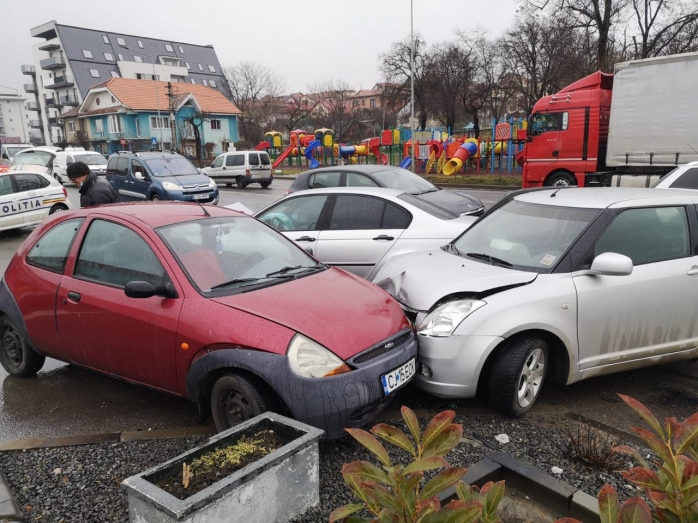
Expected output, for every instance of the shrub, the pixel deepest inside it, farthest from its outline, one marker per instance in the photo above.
(593, 447)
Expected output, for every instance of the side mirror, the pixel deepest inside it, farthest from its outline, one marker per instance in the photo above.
(611, 264)
(5, 157)
(144, 289)
(138, 175)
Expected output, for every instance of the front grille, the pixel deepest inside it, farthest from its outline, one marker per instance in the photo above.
(383, 348)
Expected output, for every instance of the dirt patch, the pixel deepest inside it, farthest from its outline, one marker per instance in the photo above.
(217, 464)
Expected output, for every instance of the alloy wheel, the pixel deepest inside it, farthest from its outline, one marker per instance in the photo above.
(531, 378)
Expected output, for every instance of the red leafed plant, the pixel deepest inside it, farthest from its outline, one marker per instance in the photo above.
(673, 488)
(396, 493)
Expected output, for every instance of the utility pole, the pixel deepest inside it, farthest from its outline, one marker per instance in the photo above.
(412, 83)
(173, 128)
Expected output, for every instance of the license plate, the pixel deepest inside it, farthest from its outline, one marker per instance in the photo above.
(398, 377)
(201, 196)
(258, 175)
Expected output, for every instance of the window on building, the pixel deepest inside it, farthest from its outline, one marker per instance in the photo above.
(212, 83)
(140, 44)
(109, 57)
(169, 48)
(157, 122)
(373, 102)
(187, 64)
(121, 42)
(97, 101)
(138, 127)
(205, 82)
(71, 127)
(94, 73)
(105, 38)
(137, 58)
(121, 57)
(215, 124)
(211, 68)
(86, 53)
(201, 67)
(115, 124)
(99, 126)
(181, 49)
(114, 74)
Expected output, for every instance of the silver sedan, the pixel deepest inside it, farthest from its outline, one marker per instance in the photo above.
(359, 229)
(554, 285)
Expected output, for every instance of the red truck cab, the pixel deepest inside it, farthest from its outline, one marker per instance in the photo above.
(568, 134)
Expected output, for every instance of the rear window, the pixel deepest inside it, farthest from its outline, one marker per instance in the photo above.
(254, 159)
(422, 205)
(264, 159)
(688, 180)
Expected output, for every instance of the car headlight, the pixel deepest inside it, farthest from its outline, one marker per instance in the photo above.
(311, 360)
(169, 186)
(212, 183)
(446, 318)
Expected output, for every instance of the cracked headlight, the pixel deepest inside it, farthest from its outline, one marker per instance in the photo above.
(445, 318)
(311, 360)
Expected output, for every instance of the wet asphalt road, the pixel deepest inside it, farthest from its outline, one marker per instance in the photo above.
(64, 400)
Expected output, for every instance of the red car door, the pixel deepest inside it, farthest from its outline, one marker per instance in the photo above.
(99, 326)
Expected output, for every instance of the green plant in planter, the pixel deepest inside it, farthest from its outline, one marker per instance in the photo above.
(396, 493)
(672, 489)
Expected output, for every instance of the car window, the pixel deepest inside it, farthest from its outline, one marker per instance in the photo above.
(115, 255)
(176, 166)
(235, 160)
(122, 166)
(264, 159)
(323, 180)
(295, 214)
(51, 251)
(89, 159)
(28, 182)
(43, 158)
(359, 180)
(111, 166)
(647, 235)
(6, 185)
(688, 180)
(137, 167)
(429, 208)
(352, 212)
(394, 217)
(218, 161)
(253, 159)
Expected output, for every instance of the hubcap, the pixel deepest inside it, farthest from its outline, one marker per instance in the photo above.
(561, 183)
(12, 345)
(531, 378)
(234, 407)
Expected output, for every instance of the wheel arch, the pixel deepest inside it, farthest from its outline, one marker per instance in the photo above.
(556, 172)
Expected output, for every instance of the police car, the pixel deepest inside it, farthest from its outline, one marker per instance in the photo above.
(29, 196)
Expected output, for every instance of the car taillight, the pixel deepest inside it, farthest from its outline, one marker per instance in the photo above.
(65, 192)
(247, 172)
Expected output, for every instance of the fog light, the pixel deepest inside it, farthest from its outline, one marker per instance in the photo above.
(425, 371)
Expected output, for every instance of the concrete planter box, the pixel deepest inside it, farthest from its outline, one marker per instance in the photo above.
(276, 488)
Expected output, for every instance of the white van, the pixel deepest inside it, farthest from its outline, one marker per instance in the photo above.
(241, 168)
(8, 151)
(94, 160)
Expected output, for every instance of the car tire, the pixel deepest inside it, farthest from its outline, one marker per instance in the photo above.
(58, 178)
(236, 398)
(16, 356)
(517, 375)
(228, 184)
(155, 198)
(240, 182)
(265, 184)
(561, 179)
(59, 207)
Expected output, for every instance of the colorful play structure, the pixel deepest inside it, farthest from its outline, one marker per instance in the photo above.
(436, 151)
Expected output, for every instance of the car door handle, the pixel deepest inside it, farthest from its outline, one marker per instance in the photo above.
(74, 296)
(305, 239)
(693, 271)
(383, 237)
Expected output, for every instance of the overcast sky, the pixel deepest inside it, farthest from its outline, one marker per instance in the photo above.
(303, 40)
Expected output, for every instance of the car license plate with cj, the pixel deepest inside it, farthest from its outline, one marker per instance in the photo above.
(201, 196)
(398, 377)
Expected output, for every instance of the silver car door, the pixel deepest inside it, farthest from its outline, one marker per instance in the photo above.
(298, 219)
(651, 312)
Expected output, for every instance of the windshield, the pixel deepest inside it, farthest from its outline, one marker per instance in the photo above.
(91, 159)
(235, 254)
(403, 180)
(43, 158)
(171, 167)
(524, 235)
(11, 151)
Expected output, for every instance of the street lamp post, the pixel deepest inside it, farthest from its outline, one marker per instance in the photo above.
(412, 83)
(157, 98)
(21, 114)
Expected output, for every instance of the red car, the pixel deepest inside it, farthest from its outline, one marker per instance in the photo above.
(207, 304)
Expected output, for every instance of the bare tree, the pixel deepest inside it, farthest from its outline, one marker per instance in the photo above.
(196, 121)
(252, 87)
(296, 110)
(452, 70)
(333, 104)
(664, 27)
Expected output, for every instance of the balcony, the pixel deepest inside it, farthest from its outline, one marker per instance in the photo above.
(52, 103)
(68, 100)
(55, 62)
(49, 47)
(33, 106)
(30, 88)
(55, 121)
(58, 82)
(29, 69)
(35, 124)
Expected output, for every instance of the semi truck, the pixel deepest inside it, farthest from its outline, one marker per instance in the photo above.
(628, 128)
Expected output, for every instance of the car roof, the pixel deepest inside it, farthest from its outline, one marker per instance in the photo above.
(601, 197)
(375, 191)
(145, 154)
(155, 214)
(28, 171)
(368, 169)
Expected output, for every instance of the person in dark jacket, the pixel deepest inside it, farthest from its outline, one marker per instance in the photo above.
(94, 190)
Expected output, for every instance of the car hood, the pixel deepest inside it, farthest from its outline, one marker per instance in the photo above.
(340, 311)
(186, 180)
(420, 279)
(458, 202)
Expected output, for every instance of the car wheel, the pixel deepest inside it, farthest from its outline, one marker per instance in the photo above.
(265, 184)
(155, 198)
(517, 375)
(58, 178)
(240, 182)
(58, 208)
(16, 356)
(561, 179)
(235, 398)
(228, 184)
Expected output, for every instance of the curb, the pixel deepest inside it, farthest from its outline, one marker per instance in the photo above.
(9, 513)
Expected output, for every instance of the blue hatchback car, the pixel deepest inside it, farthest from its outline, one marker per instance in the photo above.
(159, 176)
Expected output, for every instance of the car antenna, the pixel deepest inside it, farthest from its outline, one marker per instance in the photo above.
(555, 193)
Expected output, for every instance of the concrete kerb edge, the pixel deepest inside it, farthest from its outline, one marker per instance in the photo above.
(9, 512)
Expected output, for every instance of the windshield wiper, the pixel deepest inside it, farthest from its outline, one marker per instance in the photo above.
(491, 259)
(284, 270)
(454, 250)
(232, 282)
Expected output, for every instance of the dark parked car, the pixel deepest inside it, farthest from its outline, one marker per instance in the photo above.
(456, 202)
(211, 305)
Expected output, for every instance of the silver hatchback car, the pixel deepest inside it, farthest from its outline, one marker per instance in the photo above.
(557, 285)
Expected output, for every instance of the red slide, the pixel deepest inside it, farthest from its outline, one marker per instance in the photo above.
(281, 158)
(262, 145)
(381, 157)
